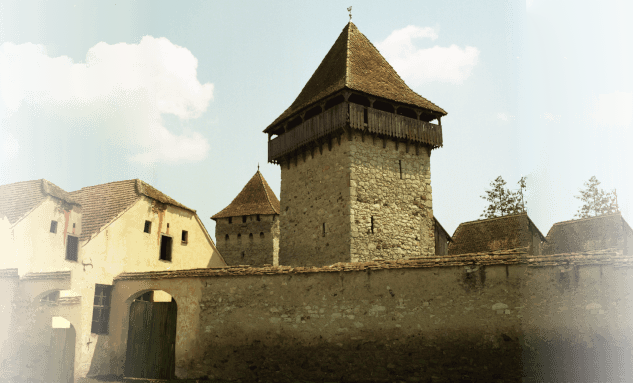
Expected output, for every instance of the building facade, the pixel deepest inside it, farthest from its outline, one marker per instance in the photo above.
(247, 230)
(354, 150)
(63, 252)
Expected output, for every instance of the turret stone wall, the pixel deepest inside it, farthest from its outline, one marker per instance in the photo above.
(254, 242)
(390, 190)
(357, 199)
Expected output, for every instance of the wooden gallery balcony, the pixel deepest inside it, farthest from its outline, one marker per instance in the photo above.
(338, 118)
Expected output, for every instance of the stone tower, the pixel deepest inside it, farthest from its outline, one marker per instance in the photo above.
(247, 231)
(354, 150)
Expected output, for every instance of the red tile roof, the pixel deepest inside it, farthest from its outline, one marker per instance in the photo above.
(18, 199)
(587, 234)
(501, 233)
(255, 198)
(103, 203)
(354, 63)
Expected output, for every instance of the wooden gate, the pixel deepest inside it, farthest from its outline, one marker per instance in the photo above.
(62, 356)
(151, 344)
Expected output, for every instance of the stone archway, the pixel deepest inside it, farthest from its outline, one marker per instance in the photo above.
(151, 340)
(61, 361)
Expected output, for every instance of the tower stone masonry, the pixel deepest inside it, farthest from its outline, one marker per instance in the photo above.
(354, 150)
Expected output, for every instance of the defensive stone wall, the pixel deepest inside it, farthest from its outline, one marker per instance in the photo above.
(253, 242)
(493, 317)
(391, 205)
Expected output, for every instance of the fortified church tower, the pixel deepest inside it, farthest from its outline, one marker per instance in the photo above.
(354, 150)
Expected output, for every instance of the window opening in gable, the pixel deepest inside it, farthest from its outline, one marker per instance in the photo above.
(230, 219)
(147, 297)
(50, 298)
(165, 248)
(101, 309)
(72, 248)
(148, 227)
(185, 236)
(54, 227)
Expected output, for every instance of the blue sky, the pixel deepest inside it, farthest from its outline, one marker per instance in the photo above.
(178, 94)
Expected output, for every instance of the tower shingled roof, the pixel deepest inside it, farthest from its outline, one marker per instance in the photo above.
(354, 63)
(500, 233)
(255, 198)
(588, 234)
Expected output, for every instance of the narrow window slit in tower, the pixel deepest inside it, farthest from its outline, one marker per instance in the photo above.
(324, 229)
(372, 224)
(400, 165)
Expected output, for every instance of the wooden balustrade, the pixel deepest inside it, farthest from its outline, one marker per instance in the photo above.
(378, 122)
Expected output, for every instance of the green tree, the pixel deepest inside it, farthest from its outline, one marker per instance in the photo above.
(504, 201)
(595, 200)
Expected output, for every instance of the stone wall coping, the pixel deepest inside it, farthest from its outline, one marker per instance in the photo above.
(506, 257)
(62, 275)
(9, 273)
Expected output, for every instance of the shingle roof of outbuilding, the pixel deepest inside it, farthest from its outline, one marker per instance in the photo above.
(354, 63)
(17, 199)
(501, 233)
(255, 198)
(103, 203)
(587, 234)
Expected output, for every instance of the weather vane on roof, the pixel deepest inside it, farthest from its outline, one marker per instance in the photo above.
(350, 12)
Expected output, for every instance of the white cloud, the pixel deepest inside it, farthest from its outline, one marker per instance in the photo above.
(613, 110)
(551, 117)
(446, 64)
(505, 117)
(135, 82)
(9, 146)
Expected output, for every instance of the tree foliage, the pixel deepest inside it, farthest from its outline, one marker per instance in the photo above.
(595, 200)
(504, 201)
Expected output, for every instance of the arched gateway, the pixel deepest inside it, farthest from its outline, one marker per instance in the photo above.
(151, 341)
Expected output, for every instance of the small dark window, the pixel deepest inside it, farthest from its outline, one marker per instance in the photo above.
(239, 237)
(261, 235)
(250, 236)
(73, 225)
(226, 237)
(101, 309)
(72, 248)
(185, 236)
(53, 227)
(148, 227)
(165, 248)
(324, 229)
(51, 298)
(168, 226)
(230, 219)
(400, 165)
(258, 217)
(372, 224)
(243, 255)
(243, 219)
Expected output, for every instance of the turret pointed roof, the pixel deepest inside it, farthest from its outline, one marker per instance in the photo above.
(255, 198)
(354, 63)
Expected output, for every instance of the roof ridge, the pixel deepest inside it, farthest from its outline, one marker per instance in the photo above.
(492, 219)
(587, 218)
(347, 55)
(264, 184)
